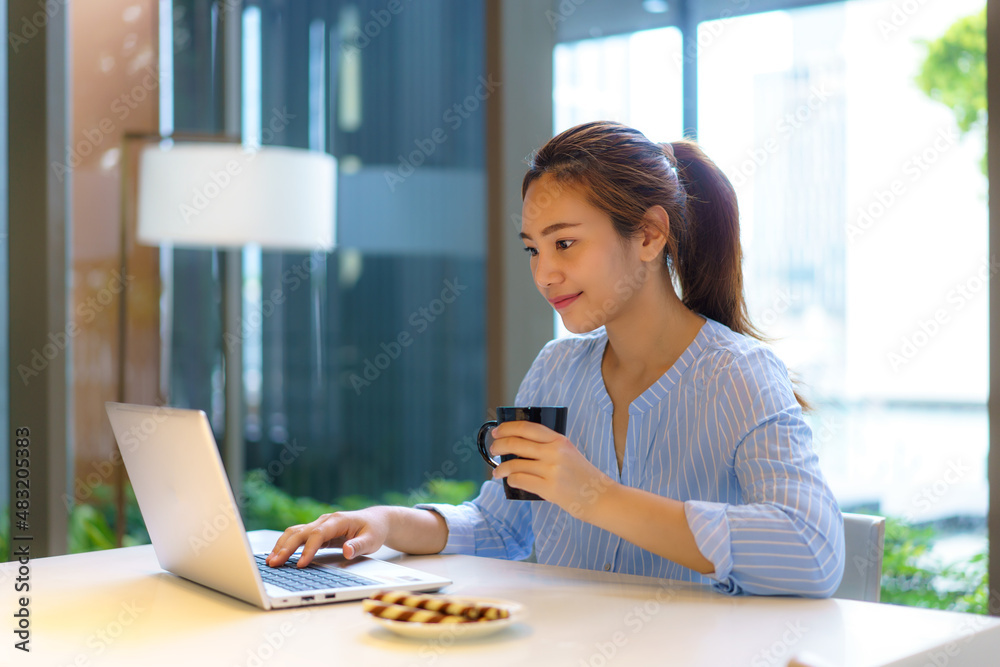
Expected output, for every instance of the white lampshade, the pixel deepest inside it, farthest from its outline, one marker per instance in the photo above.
(213, 194)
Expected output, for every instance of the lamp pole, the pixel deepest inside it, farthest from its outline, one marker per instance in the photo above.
(126, 238)
(229, 81)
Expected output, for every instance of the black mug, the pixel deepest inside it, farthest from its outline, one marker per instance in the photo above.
(550, 416)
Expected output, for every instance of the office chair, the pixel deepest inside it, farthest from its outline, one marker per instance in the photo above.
(864, 540)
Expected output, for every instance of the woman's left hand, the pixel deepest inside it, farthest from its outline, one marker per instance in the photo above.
(550, 466)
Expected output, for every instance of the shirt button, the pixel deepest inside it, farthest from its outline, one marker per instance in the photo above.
(607, 567)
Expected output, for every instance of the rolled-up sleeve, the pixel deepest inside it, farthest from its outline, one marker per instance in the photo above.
(490, 524)
(787, 536)
(461, 521)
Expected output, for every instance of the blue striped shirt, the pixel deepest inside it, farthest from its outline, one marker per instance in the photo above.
(720, 430)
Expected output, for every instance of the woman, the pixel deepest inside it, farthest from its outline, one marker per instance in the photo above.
(685, 455)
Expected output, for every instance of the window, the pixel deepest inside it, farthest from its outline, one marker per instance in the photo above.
(364, 368)
(864, 227)
(864, 223)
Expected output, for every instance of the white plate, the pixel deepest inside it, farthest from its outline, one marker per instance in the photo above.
(455, 631)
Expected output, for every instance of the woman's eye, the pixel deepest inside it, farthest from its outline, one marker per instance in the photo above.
(563, 245)
(531, 251)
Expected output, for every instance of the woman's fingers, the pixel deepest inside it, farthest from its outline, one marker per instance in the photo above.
(316, 540)
(518, 446)
(554, 470)
(525, 429)
(285, 546)
(313, 536)
(526, 482)
(516, 470)
(359, 532)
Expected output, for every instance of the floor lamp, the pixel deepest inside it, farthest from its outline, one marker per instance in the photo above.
(198, 193)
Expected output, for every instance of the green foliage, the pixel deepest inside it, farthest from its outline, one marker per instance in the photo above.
(910, 576)
(954, 72)
(265, 506)
(89, 530)
(436, 491)
(91, 524)
(4, 535)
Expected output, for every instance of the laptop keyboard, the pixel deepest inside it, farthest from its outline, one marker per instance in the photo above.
(308, 578)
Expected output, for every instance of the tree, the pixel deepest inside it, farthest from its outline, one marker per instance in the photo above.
(954, 73)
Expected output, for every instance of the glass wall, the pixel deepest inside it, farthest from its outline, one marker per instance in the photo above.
(864, 223)
(872, 277)
(364, 368)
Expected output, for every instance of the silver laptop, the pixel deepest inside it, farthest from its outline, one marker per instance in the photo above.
(197, 533)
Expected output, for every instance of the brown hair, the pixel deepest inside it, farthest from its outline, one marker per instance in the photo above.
(625, 174)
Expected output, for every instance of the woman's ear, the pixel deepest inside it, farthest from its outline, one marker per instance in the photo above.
(655, 229)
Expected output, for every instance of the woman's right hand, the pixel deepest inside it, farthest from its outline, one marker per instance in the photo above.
(358, 533)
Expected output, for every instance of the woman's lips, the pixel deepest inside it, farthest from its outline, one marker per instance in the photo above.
(564, 301)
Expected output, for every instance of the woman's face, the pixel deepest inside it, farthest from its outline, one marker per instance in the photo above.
(578, 260)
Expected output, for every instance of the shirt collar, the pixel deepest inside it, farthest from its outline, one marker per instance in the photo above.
(656, 392)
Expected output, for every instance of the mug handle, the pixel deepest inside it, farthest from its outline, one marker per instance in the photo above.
(481, 442)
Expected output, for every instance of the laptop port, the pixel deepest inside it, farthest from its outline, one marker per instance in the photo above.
(329, 596)
(307, 598)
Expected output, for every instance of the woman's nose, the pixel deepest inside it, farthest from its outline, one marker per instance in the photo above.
(546, 271)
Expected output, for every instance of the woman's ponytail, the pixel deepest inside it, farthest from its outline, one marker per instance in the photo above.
(709, 262)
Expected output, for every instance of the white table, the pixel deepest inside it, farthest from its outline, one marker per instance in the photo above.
(118, 608)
